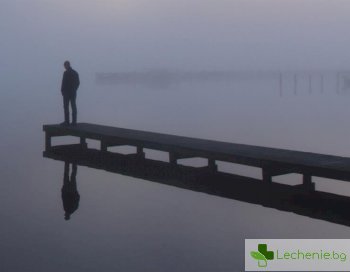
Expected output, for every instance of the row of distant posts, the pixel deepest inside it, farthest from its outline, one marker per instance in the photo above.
(314, 82)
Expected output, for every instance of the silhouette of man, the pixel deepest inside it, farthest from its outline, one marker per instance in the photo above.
(70, 195)
(70, 85)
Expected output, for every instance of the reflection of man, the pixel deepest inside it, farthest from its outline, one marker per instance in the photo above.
(70, 195)
(70, 84)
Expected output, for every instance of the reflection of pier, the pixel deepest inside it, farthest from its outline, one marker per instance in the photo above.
(272, 161)
(320, 205)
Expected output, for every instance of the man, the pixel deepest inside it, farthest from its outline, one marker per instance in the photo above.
(70, 84)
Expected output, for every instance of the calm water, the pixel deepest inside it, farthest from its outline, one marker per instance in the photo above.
(128, 224)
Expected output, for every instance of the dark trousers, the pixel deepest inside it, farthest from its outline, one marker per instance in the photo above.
(72, 100)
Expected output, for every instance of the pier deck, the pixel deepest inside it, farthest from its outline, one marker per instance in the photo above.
(272, 161)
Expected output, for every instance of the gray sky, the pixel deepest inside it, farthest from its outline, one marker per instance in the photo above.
(111, 35)
(178, 228)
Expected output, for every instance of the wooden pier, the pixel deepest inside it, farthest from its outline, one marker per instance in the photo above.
(272, 161)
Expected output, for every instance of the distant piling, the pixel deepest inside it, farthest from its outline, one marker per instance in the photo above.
(310, 83)
(295, 84)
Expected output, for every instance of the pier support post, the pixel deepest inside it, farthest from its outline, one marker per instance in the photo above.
(212, 165)
(83, 142)
(103, 146)
(172, 158)
(307, 182)
(140, 152)
(307, 179)
(47, 141)
(266, 175)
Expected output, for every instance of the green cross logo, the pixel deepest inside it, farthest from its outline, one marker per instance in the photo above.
(262, 255)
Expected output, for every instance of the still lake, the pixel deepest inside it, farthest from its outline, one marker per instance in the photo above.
(128, 224)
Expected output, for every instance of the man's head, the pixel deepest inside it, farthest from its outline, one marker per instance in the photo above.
(67, 64)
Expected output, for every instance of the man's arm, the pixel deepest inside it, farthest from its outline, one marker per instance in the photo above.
(78, 81)
(63, 83)
(74, 80)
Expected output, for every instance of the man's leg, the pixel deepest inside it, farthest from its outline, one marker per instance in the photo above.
(66, 109)
(74, 109)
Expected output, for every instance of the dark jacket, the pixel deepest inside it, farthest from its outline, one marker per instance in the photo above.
(70, 82)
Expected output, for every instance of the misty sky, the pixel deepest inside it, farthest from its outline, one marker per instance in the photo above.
(161, 227)
(117, 35)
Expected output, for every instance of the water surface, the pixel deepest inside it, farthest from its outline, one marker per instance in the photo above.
(128, 224)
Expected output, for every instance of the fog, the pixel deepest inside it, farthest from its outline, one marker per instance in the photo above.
(132, 35)
(192, 47)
